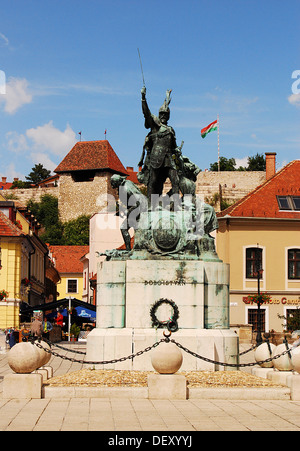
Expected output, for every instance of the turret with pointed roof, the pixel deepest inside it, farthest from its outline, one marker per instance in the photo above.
(91, 156)
(85, 174)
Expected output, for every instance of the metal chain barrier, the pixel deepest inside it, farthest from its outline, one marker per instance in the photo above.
(76, 351)
(240, 365)
(149, 348)
(250, 349)
(102, 362)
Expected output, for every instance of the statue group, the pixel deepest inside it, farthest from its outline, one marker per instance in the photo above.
(174, 224)
(171, 269)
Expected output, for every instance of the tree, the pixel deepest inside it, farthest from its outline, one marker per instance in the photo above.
(20, 184)
(257, 163)
(46, 212)
(38, 174)
(71, 233)
(225, 165)
(76, 231)
(292, 320)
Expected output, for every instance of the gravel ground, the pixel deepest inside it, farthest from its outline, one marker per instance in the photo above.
(113, 378)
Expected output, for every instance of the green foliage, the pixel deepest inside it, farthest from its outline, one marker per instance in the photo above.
(46, 211)
(75, 232)
(225, 204)
(226, 164)
(74, 330)
(257, 163)
(37, 174)
(292, 321)
(20, 184)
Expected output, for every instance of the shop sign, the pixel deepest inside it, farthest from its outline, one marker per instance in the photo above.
(283, 301)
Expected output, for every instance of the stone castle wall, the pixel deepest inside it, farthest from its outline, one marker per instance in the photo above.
(233, 184)
(82, 198)
(24, 195)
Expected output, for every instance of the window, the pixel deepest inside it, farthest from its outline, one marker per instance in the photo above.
(72, 286)
(296, 202)
(288, 202)
(283, 203)
(253, 262)
(294, 264)
(253, 319)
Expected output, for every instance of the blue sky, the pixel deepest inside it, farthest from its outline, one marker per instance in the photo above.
(72, 65)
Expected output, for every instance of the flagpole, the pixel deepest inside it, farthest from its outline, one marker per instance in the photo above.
(218, 146)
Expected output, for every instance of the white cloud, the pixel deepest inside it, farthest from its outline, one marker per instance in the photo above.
(47, 137)
(10, 172)
(3, 40)
(294, 99)
(16, 96)
(43, 158)
(241, 162)
(42, 144)
(16, 142)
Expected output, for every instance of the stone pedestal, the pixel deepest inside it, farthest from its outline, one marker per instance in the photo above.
(108, 344)
(167, 386)
(128, 289)
(294, 384)
(261, 372)
(22, 386)
(279, 377)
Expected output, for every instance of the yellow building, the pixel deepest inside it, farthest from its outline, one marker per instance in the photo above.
(67, 262)
(259, 237)
(22, 268)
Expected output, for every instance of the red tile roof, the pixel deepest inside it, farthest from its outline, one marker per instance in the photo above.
(5, 185)
(7, 228)
(67, 258)
(91, 155)
(262, 202)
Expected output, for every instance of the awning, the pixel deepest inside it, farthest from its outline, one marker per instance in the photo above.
(81, 312)
(61, 303)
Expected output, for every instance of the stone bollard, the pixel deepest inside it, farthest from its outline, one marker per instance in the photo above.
(23, 359)
(284, 362)
(44, 356)
(264, 352)
(294, 381)
(296, 358)
(167, 359)
(283, 365)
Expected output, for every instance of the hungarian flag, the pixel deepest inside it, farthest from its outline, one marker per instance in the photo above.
(211, 127)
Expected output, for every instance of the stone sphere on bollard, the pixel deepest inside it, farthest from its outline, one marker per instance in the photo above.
(44, 356)
(296, 359)
(166, 358)
(24, 358)
(262, 352)
(284, 362)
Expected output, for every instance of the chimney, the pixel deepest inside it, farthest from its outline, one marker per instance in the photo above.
(270, 164)
(16, 179)
(4, 179)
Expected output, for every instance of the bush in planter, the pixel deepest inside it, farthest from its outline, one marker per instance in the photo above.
(74, 330)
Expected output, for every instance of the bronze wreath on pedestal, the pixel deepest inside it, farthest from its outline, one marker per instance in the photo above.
(170, 324)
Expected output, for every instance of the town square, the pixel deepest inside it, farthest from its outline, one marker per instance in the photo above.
(149, 219)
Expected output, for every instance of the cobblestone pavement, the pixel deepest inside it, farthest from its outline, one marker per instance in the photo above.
(122, 414)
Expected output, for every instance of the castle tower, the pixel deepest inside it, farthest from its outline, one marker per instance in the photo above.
(85, 174)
